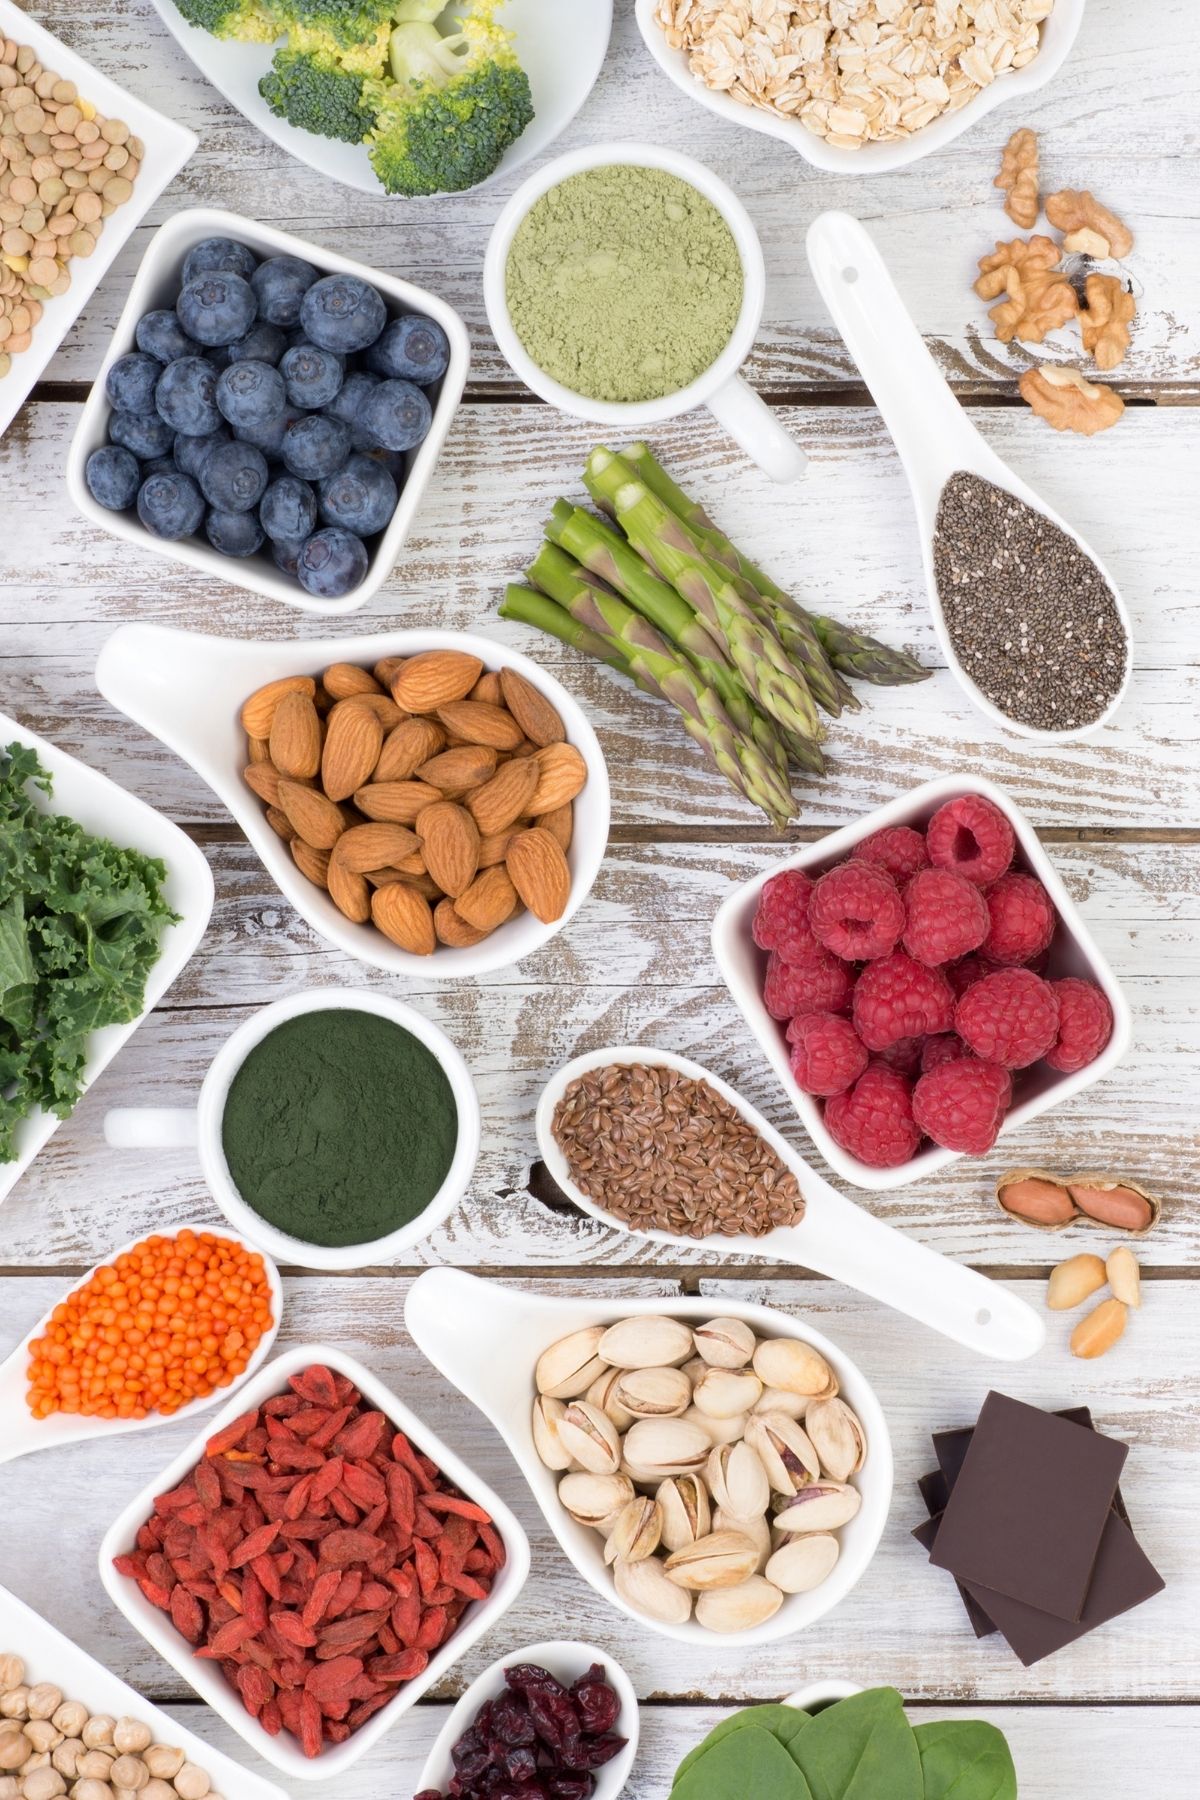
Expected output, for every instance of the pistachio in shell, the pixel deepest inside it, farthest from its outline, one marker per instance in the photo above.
(590, 1438)
(821, 1506)
(662, 1393)
(739, 1608)
(666, 1447)
(737, 1481)
(594, 1499)
(722, 1559)
(836, 1434)
(794, 1365)
(601, 1394)
(757, 1530)
(644, 1586)
(649, 1341)
(719, 1431)
(774, 1399)
(725, 1343)
(725, 1393)
(686, 1512)
(785, 1450)
(803, 1562)
(568, 1368)
(637, 1531)
(546, 1416)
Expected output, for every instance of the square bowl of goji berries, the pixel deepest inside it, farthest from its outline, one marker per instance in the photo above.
(314, 1562)
(921, 982)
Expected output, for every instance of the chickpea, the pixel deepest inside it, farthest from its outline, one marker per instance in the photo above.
(155, 1790)
(98, 1731)
(14, 1748)
(71, 1718)
(65, 1756)
(130, 1735)
(129, 1773)
(44, 1784)
(94, 1764)
(164, 1760)
(43, 1734)
(39, 1760)
(10, 1788)
(88, 1789)
(44, 1700)
(15, 1703)
(192, 1783)
(12, 1671)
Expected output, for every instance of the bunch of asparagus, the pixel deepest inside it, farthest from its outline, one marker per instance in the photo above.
(663, 596)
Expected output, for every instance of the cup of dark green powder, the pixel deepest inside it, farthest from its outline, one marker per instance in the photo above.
(624, 284)
(335, 1128)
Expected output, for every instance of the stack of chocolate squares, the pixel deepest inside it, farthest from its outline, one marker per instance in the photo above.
(1026, 1514)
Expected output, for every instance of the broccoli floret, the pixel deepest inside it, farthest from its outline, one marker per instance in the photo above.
(251, 21)
(455, 102)
(366, 57)
(345, 21)
(315, 93)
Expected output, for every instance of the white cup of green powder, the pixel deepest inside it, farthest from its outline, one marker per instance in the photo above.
(409, 1135)
(625, 285)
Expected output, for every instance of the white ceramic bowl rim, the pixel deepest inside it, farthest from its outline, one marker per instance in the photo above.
(628, 415)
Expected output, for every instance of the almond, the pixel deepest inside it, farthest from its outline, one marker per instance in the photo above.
(258, 750)
(538, 870)
(450, 845)
(316, 819)
(452, 928)
(434, 678)
(397, 802)
(490, 899)
(532, 711)
(475, 722)
(383, 877)
(562, 773)
(341, 680)
(406, 746)
(349, 892)
(405, 916)
(259, 710)
(487, 689)
(263, 777)
(493, 849)
(296, 737)
(385, 710)
(456, 771)
(352, 745)
(560, 824)
(280, 824)
(374, 846)
(504, 798)
(386, 670)
(310, 861)
(411, 865)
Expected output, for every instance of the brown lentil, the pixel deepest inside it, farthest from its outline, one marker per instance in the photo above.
(660, 1151)
(1031, 618)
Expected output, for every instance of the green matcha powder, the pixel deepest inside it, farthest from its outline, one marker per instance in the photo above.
(624, 283)
(339, 1127)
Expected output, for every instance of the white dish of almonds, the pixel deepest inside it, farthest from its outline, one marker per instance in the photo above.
(167, 145)
(489, 1341)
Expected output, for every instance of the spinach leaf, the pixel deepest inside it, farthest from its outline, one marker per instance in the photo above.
(965, 1759)
(743, 1763)
(861, 1749)
(783, 1723)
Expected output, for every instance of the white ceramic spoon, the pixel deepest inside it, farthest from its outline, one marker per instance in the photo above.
(567, 1659)
(21, 1433)
(931, 431)
(835, 1237)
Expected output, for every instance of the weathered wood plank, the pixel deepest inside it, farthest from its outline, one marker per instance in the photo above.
(903, 1623)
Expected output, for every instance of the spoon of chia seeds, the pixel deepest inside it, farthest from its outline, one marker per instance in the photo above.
(1031, 622)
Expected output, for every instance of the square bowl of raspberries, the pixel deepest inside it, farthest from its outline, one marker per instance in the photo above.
(921, 982)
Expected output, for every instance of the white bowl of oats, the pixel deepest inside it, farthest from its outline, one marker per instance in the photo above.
(858, 86)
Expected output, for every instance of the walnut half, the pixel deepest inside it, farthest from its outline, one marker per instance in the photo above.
(1039, 296)
(1068, 401)
(1074, 210)
(1019, 178)
(1106, 319)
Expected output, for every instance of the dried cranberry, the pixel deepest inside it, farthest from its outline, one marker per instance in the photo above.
(597, 1703)
(521, 1763)
(509, 1721)
(600, 1750)
(555, 1720)
(527, 1678)
(570, 1787)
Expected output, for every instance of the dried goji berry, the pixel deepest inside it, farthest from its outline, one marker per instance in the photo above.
(271, 1719)
(297, 1501)
(316, 1385)
(268, 1573)
(291, 1626)
(361, 1437)
(255, 1686)
(232, 1435)
(254, 1545)
(155, 1593)
(324, 1435)
(326, 1680)
(227, 1639)
(398, 1668)
(323, 1590)
(337, 1730)
(406, 1617)
(433, 1628)
(364, 1486)
(341, 1548)
(187, 1614)
(344, 1507)
(361, 1713)
(310, 1725)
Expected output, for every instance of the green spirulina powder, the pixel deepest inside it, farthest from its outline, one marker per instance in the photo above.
(624, 283)
(339, 1127)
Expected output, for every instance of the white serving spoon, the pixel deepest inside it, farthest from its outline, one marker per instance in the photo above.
(835, 1237)
(932, 433)
(21, 1433)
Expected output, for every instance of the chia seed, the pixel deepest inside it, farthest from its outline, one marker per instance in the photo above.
(1031, 618)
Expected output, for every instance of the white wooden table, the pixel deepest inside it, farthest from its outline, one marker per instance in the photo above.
(1118, 1715)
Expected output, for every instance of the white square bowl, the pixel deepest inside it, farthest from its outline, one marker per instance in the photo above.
(157, 284)
(168, 147)
(1073, 952)
(106, 810)
(283, 1751)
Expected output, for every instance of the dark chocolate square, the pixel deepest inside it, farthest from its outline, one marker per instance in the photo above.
(951, 1448)
(1028, 1510)
(980, 1623)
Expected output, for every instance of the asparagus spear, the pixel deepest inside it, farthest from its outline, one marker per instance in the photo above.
(856, 653)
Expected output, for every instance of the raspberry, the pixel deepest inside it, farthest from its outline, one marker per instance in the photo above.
(1022, 920)
(898, 998)
(826, 1053)
(1085, 1024)
(1010, 1017)
(967, 972)
(904, 1055)
(898, 849)
(856, 911)
(822, 985)
(971, 836)
(781, 922)
(873, 1119)
(947, 916)
(962, 1104)
(946, 1047)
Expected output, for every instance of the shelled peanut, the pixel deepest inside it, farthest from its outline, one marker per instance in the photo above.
(431, 797)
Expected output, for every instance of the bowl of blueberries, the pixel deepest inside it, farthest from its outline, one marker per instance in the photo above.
(268, 412)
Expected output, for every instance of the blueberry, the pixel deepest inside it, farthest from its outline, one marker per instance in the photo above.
(348, 403)
(279, 286)
(411, 349)
(331, 563)
(113, 477)
(394, 461)
(251, 395)
(343, 312)
(316, 446)
(361, 497)
(171, 506)
(217, 309)
(186, 396)
(233, 533)
(160, 334)
(146, 434)
(190, 452)
(131, 381)
(287, 554)
(269, 437)
(159, 465)
(219, 254)
(262, 343)
(397, 415)
(313, 376)
(233, 477)
(288, 510)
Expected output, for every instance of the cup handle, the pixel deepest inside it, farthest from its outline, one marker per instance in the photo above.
(747, 418)
(151, 1127)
